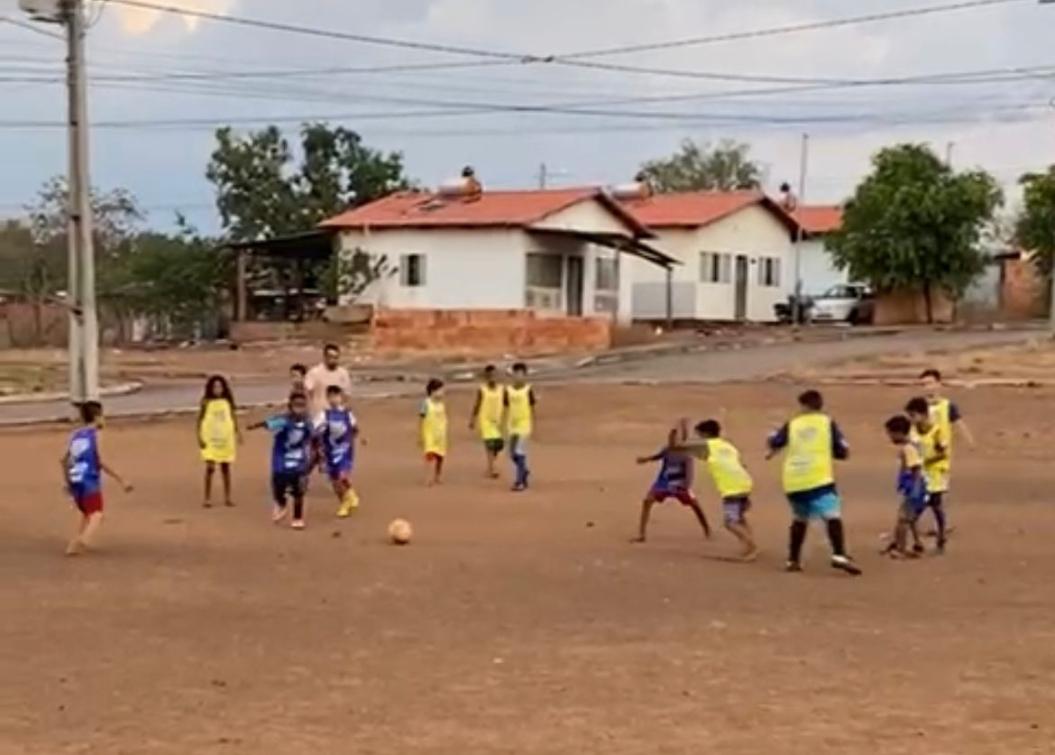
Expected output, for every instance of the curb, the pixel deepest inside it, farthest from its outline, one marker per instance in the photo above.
(121, 389)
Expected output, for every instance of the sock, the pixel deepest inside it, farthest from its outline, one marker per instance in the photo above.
(798, 537)
(836, 536)
(298, 508)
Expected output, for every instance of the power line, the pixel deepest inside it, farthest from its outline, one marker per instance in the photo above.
(773, 31)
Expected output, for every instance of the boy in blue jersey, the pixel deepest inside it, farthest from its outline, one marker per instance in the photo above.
(675, 478)
(911, 486)
(291, 458)
(338, 434)
(82, 471)
(811, 443)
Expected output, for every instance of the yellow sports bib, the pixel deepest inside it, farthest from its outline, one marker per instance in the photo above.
(520, 411)
(492, 406)
(808, 462)
(434, 427)
(935, 470)
(217, 431)
(727, 471)
(941, 416)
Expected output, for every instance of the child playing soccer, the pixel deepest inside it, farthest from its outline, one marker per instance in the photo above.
(434, 431)
(489, 413)
(218, 435)
(82, 470)
(933, 444)
(910, 486)
(811, 442)
(731, 479)
(674, 480)
(947, 416)
(339, 433)
(298, 374)
(520, 404)
(291, 458)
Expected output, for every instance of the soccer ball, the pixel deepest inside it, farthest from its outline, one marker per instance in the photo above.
(399, 531)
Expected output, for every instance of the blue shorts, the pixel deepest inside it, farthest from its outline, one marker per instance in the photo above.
(826, 505)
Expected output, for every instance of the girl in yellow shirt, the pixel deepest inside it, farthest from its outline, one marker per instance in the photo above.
(218, 435)
(434, 431)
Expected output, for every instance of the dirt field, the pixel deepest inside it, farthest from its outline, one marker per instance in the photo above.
(528, 624)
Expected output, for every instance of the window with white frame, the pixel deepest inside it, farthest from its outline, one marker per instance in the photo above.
(716, 267)
(412, 270)
(545, 280)
(606, 285)
(769, 272)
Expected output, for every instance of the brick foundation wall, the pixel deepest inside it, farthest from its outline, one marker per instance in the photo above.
(18, 321)
(910, 308)
(1023, 293)
(314, 331)
(486, 331)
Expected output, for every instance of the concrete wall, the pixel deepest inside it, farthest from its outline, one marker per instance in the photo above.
(753, 232)
(20, 327)
(487, 332)
(910, 308)
(818, 272)
(1023, 291)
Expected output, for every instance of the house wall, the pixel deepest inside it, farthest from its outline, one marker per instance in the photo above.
(1023, 292)
(817, 271)
(910, 308)
(754, 232)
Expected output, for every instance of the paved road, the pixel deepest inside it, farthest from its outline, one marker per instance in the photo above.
(705, 366)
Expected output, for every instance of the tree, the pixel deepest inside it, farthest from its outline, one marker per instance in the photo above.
(261, 194)
(350, 275)
(913, 224)
(1035, 230)
(696, 167)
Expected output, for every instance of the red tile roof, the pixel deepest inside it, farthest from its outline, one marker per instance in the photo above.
(411, 209)
(699, 208)
(820, 219)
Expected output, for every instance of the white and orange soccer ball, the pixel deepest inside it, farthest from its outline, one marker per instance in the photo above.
(400, 532)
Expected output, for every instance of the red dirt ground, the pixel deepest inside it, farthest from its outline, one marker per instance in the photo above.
(528, 624)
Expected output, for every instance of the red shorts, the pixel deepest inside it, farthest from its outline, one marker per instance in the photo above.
(683, 496)
(89, 503)
(433, 457)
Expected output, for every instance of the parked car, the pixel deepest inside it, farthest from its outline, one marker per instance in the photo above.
(846, 302)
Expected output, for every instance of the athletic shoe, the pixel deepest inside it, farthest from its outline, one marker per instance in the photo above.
(348, 505)
(297, 524)
(846, 564)
(792, 567)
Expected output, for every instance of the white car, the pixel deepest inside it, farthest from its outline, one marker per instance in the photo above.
(846, 302)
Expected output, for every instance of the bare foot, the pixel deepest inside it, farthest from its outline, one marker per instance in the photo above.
(206, 504)
(749, 555)
(637, 540)
(75, 548)
(229, 503)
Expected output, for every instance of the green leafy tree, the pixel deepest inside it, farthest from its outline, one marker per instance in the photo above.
(914, 224)
(703, 167)
(1035, 230)
(350, 275)
(262, 192)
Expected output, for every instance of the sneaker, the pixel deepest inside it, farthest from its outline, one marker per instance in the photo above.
(519, 487)
(846, 564)
(792, 567)
(297, 524)
(278, 513)
(348, 505)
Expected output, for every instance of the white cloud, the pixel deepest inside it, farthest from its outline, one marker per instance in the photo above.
(139, 21)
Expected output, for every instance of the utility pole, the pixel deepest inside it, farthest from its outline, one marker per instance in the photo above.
(949, 146)
(543, 175)
(84, 324)
(796, 302)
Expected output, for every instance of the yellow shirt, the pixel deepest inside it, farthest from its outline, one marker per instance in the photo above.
(492, 407)
(521, 419)
(935, 465)
(808, 462)
(217, 432)
(434, 427)
(727, 471)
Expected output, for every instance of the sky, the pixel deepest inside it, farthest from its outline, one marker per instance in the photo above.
(153, 133)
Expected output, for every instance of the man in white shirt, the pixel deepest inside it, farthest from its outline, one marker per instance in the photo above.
(322, 376)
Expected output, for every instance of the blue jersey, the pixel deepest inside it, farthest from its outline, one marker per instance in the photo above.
(83, 471)
(673, 471)
(338, 430)
(291, 451)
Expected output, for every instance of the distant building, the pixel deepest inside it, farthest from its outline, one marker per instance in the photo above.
(816, 268)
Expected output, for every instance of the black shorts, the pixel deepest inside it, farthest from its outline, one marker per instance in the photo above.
(286, 484)
(494, 445)
(935, 500)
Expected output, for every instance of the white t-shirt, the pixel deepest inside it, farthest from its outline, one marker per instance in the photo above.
(318, 379)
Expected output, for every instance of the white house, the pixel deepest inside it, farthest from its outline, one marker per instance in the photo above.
(817, 271)
(555, 251)
(735, 250)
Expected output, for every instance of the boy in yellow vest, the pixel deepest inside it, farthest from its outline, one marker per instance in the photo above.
(520, 408)
(731, 479)
(811, 442)
(946, 415)
(933, 444)
(434, 431)
(489, 415)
